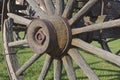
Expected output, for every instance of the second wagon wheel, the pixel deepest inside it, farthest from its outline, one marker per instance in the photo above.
(107, 43)
(50, 33)
(110, 36)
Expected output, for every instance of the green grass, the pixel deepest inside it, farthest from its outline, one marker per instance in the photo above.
(104, 70)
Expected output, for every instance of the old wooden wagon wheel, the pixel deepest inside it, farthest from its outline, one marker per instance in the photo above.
(51, 32)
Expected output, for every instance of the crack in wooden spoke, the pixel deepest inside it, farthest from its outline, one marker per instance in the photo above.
(97, 51)
(16, 43)
(57, 69)
(19, 19)
(67, 62)
(46, 67)
(59, 7)
(37, 9)
(50, 6)
(80, 61)
(99, 26)
(28, 64)
(82, 11)
(68, 8)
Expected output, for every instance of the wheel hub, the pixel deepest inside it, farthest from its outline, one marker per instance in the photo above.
(53, 36)
(40, 36)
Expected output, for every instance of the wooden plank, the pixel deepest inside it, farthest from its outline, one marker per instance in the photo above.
(9, 53)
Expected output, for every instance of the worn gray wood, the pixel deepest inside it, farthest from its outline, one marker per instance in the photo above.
(67, 62)
(50, 6)
(59, 7)
(16, 43)
(6, 51)
(37, 9)
(46, 67)
(9, 53)
(82, 11)
(28, 63)
(99, 26)
(80, 61)
(68, 8)
(42, 4)
(19, 19)
(57, 69)
(97, 51)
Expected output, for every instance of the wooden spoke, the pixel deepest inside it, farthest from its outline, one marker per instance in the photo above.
(19, 19)
(28, 64)
(9, 53)
(67, 62)
(68, 8)
(46, 67)
(80, 61)
(57, 69)
(50, 6)
(99, 26)
(16, 43)
(42, 4)
(59, 7)
(97, 51)
(82, 11)
(37, 9)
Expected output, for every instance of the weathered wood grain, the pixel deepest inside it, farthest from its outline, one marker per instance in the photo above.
(28, 63)
(67, 62)
(68, 8)
(97, 51)
(16, 43)
(19, 19)
(57, 69)
(50, 6)
(80, 61)
(98, 26)
(46, 66)
(59, 7)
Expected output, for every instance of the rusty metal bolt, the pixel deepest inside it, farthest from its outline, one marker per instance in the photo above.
(40, 36)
